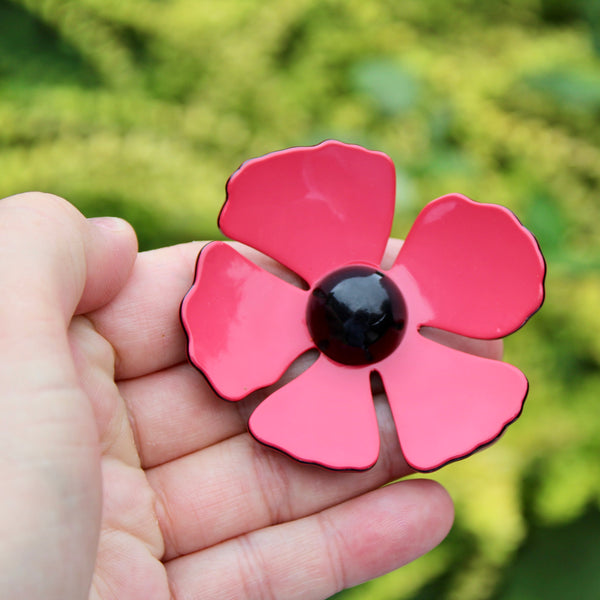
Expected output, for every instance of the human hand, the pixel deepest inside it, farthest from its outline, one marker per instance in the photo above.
(126, 477)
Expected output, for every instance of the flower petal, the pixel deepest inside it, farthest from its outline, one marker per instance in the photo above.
(313, 209)
(479, 269)
(324, 416)
(244, 326)
(446, 404)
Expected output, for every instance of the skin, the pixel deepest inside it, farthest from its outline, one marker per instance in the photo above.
(124, 476)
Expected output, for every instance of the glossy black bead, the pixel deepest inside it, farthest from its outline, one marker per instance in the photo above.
(356, 315)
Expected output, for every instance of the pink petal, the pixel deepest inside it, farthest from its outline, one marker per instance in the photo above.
(244, 326)
(324, 416)
(446, 404)
(480, 271)
(313, 209)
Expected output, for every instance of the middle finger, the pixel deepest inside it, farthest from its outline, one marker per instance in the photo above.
(237, 486)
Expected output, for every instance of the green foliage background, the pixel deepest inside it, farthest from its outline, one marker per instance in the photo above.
(144, 108)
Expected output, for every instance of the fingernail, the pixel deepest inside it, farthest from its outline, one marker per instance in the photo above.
(111, 223)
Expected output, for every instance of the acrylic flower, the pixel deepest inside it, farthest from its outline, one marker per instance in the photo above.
(325, 212)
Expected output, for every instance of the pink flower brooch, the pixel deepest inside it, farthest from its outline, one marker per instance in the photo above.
(325, 212)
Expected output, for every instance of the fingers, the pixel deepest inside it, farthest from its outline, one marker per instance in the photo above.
(317, 556)
(240, 486)
(142, 324)
(94, 360)
(110, 249)
(175, 412)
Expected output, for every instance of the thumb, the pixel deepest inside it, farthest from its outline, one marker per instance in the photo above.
(52, 262)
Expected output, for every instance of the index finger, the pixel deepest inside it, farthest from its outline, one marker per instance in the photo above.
(142, 323)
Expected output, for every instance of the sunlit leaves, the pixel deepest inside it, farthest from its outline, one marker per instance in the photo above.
(144, 109)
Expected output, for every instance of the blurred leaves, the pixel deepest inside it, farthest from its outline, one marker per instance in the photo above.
(143, 109)
(545, 216)
(576, 90)
(391, 88)
(545, 568)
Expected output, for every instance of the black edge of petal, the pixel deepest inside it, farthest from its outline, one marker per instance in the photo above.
(506, 425)
(537, 243)
(545, 264)
(314, 464)
(325, 141)
(279, 450)
(477, 448)
(235, 173)
(185, 331)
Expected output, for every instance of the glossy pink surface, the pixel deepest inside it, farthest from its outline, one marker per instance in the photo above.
(446, 404)
(242, 322)
(313, 209)
(465, 267)
(477, 267)
(324, 416)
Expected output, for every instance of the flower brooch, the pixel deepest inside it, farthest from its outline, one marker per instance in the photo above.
(325, 212)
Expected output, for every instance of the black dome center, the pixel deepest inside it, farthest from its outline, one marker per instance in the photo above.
(356, 315)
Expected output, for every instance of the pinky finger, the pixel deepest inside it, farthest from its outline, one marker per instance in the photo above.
(317, 556)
